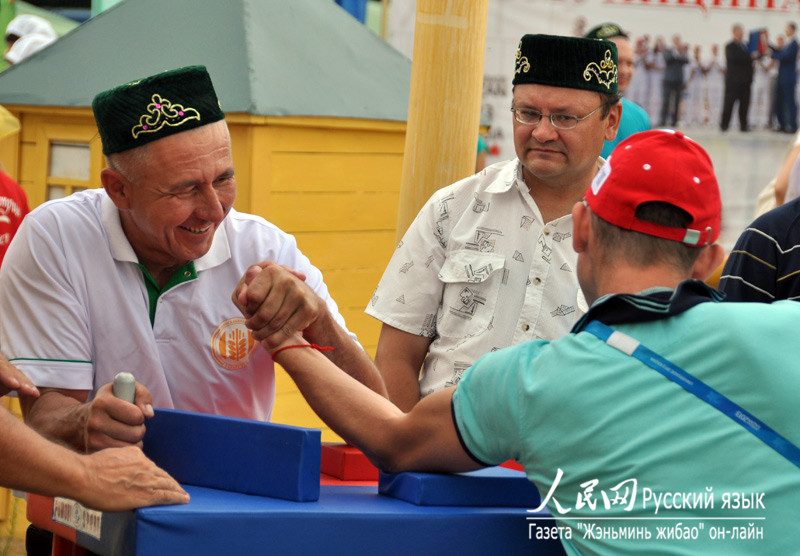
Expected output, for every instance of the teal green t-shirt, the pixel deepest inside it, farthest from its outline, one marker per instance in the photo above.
(634, 119)
(482, 145)
(641, 463)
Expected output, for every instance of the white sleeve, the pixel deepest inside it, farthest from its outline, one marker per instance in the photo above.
(409, 294)
(43, 323)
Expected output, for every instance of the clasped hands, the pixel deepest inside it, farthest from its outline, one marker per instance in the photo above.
(279, 307)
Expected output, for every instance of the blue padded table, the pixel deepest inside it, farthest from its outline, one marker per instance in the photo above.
(255, 489)
(345, 520)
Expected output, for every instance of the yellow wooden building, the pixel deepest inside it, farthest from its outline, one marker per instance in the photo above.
(316, 106)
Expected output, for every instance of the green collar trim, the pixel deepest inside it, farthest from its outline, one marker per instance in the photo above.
(182, 274)
(15, 359)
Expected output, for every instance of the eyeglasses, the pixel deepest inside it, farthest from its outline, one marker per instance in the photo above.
(528, 116)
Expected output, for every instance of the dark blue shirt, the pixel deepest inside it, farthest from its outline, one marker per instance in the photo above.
(764, 265)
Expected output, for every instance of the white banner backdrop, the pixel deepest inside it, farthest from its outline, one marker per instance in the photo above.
(698, 22)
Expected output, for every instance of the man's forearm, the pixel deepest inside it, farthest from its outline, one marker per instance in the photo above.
(31, 463)
(422, 440)
(58, 417)
(111, 480)
(399, 358)
(347, 354)
(401, 386)
(357, 414)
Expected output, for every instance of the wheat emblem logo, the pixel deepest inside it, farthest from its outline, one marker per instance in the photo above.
(232, 344)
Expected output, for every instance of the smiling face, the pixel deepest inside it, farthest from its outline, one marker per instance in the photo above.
(559, 157)
(173, 194)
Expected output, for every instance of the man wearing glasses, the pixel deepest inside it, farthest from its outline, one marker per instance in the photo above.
(488, 262)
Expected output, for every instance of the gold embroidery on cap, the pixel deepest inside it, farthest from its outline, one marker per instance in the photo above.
(608, 30)
(606, 72)
(522, 64)
(162, 112)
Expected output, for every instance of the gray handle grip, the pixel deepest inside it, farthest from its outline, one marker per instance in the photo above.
(124, 387)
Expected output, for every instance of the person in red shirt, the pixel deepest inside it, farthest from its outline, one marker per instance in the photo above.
(13, 202)
(13, 208)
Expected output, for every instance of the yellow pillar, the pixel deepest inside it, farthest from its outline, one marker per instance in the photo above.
(445, 102)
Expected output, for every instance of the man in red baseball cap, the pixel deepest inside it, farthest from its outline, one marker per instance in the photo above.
(659, 406)
(662, 185)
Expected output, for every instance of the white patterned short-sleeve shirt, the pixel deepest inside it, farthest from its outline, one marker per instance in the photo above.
(479, 270)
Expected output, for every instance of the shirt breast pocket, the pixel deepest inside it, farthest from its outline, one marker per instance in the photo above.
(471, 288)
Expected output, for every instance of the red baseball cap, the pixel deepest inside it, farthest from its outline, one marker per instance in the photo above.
(659, 165)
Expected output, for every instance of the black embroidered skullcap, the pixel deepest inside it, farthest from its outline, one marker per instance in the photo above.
(606, 31)
(149, 109)
(571, 62)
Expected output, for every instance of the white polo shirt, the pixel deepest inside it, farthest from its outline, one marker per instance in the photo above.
(479, 270)
(75, 309)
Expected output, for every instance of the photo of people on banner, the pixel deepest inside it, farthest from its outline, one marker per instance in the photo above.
(748, 82)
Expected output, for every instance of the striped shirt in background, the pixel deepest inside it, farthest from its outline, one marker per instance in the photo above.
(764, 265)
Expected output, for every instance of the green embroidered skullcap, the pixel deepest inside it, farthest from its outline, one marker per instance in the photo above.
(606, 31)
(571, 62)
(149, 109)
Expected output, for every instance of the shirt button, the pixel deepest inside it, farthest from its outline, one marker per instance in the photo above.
(187, 273)
(526, 327)
(546, 231)
(537, 281)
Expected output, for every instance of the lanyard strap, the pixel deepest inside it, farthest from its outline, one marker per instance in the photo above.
(632, 347)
